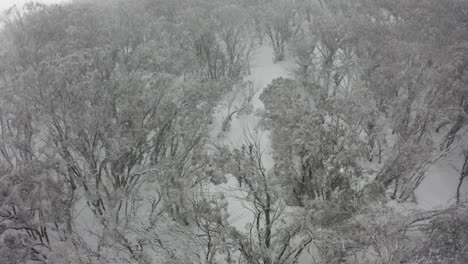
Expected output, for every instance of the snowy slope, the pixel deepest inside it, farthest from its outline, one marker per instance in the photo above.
(435, 192)
(263, 71)
(438, 189)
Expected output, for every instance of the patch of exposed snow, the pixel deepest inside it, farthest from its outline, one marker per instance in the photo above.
(245, 125)
(438, 189)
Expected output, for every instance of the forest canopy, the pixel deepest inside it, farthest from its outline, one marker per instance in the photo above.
(120, 118)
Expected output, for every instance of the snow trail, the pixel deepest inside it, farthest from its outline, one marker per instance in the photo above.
(263, 72)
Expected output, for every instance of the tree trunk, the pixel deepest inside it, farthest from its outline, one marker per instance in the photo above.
(450, 138)
(461, 120)
(463, 174)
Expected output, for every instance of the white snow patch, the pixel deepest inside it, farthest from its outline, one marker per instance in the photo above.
(438, 189)
(263, 72)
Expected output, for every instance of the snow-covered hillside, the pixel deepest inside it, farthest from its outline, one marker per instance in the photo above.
(437, 191)
(244, 125)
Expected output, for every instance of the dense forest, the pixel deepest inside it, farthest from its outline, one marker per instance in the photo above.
(123, 135)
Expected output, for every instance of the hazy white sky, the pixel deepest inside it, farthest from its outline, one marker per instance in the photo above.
(4, 4)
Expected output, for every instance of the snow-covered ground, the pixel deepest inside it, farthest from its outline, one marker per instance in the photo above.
(438, 189)
(243, 125)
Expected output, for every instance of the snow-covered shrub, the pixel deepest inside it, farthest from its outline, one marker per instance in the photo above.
(446, 239)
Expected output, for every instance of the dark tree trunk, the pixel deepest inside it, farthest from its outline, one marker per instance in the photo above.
(463, 174)
(450, 138)
(461, 120)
